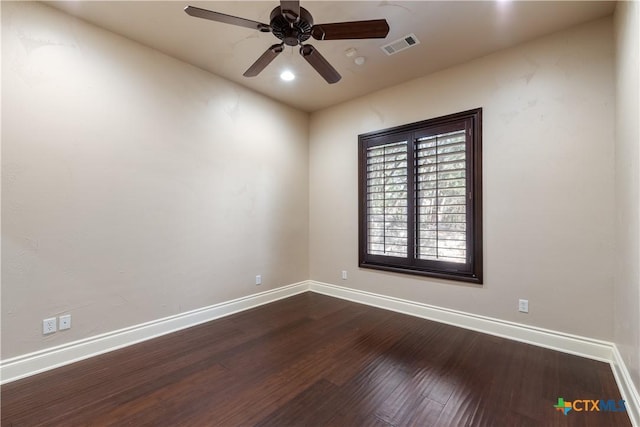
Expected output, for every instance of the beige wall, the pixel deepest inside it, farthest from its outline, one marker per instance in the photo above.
(135, 186)
(548, 181)
(627, 166)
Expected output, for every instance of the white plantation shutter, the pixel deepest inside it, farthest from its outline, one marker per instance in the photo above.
(420, 198)
(387, 206)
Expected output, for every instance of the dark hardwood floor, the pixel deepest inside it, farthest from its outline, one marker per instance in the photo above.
(312, 360)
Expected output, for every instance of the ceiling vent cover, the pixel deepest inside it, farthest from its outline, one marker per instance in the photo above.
(401, 44)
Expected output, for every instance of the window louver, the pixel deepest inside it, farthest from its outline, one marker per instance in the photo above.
(387, 206)
(441, 197)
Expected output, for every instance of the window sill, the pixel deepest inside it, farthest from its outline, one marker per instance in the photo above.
(458, 277)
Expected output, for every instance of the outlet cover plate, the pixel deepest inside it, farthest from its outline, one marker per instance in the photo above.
(49, 326)
(523, 306)
(65, 322)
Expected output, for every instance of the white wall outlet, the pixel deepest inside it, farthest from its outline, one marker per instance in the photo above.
(258, 280)
(64, 322)
(523, 306)
(344, 274)
(49, 325)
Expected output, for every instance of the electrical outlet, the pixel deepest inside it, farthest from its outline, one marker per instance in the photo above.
(523, 305)
(49, 326)
(258, 280)
(65, 322)
(344, 274)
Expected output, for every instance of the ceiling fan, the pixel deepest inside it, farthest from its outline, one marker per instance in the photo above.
(293, 25)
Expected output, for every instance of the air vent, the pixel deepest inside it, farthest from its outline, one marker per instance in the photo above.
(406, 42)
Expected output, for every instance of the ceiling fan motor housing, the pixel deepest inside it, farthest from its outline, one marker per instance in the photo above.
(292, 34)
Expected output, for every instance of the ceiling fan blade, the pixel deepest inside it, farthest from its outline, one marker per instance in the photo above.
(374, 29)
(290, 10)
(264, 60)
(321, 65)
(227, 19)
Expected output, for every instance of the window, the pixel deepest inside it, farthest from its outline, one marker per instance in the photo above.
(420, 198)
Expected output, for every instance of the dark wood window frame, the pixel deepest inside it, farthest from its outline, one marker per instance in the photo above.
(468, 267)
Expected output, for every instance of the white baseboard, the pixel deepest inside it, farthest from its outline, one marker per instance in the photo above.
(573, 344)
(627, 388)
(567, 343)
(44, 360)
(50, 358)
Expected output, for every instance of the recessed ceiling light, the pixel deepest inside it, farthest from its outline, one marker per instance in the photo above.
(350, 52)
(287, 76)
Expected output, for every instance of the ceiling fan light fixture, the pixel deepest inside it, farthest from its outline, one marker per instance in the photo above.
(287, 76)
(293, 26)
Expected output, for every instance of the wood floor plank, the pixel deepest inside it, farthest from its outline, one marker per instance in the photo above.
(313, 360)
(424, 412)
(309, 408)
(164, 405)
(409, 396)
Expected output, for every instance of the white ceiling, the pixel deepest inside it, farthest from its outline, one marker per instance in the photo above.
(450, 32)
